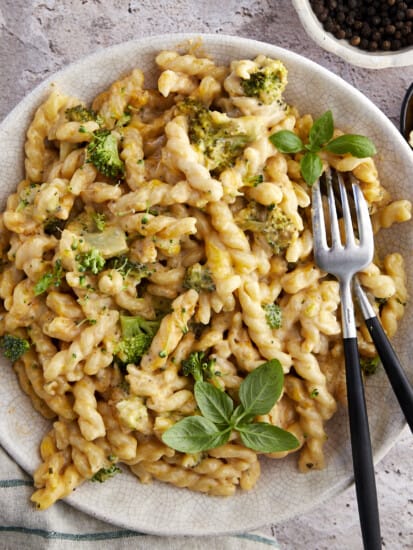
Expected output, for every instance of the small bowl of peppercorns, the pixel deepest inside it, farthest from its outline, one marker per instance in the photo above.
(368, 33)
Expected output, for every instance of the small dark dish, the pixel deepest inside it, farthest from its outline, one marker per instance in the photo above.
(406, 115)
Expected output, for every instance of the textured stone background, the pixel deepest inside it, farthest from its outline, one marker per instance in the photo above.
(38, 37)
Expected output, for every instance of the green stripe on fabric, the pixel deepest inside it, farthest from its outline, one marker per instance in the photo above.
(109, 535)
(5, 483)
(258, 538)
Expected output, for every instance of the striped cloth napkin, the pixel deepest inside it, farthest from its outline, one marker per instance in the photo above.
(63, 528)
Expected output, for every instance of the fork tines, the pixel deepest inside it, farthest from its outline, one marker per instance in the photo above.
(351, 208)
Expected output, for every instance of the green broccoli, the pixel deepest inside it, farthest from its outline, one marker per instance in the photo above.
(273, 315)
(369, 364)
(126, 267)
(103, 152)
(13, 346)
(271, 222)
(124, 119)
(106, 473)
(220, 141)
(199, 278)
(137, 336)
(99, 219)
(267, 83)
(80, 113)
(50, 278)
(254, 181)
(54, 226)
(199, 367)
(91, 260)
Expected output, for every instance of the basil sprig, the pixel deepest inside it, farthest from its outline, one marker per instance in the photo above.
(320, 139)
(258, 393)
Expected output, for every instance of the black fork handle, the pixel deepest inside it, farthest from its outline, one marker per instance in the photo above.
(395, 373)
(361, 449)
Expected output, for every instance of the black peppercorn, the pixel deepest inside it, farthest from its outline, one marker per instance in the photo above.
(368, 24)
(389, 29)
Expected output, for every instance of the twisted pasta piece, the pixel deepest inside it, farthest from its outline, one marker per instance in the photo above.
(119, 96)
(254, 317)
(311, 421)
(37, 156)
(171, 330)
(189, 64)
(186, 159)
(395, 212)
(56, 477)
(85, 406)
(178, 82)
(87, 456)
(132, 154)
(122, 444)
(65, 361)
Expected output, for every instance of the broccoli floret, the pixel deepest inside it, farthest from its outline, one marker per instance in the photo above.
(266, 84)
(50, 278)
(126, 267)
(13, 346)
(275, 226)
(137, 335)
(273, 315)
(124, 119)
(54, 226)
(106, 473)
(99, 220)
(80, 113)
(220, 141)
(103, 152)
(369, 364)
(254, 181)
(199, 367)
(91, 260)
(199, 278)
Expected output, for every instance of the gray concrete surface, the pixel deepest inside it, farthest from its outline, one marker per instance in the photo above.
(37, 37)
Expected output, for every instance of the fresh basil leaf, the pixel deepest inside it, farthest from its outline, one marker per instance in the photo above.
(215, 405)
(311, 168)
(321, 131)
(358, 146)
(194, 434)
(262, 387)
(241, 417)
(266, 438)
(286, 141)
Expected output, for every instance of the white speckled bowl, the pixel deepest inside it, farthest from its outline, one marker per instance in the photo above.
(281, 491)
(356, 56)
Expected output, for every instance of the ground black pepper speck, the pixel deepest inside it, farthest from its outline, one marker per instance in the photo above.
(372, 25)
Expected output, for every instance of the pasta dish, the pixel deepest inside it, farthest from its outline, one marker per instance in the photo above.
(160, 240)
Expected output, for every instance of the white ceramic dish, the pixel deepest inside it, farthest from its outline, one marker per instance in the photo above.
(356, 56)
(281, 492)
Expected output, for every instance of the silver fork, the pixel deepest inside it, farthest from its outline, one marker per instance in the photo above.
(344, 260)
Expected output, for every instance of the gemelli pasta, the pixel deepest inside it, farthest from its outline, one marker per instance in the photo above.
(156, 225)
